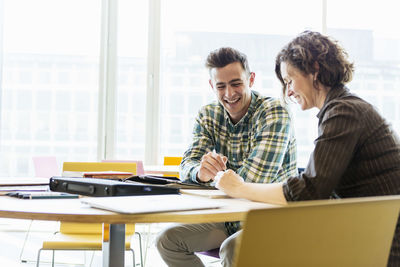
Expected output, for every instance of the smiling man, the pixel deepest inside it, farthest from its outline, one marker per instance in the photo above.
(242, 131)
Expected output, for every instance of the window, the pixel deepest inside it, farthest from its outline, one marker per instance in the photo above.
(52, 73)
(50, 62)
(373, 42)
(131, 81)
(257, 28)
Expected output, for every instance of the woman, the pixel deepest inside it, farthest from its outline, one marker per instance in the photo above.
(356, 153)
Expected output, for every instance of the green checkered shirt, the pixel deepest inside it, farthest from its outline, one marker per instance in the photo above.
(261, 147)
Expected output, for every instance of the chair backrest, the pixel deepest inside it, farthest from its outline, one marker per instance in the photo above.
(348, 232)
(139, 164)
(100, 166)
(45, 166)
(172, 161)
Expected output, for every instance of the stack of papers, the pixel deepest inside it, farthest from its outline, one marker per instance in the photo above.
(15, 184)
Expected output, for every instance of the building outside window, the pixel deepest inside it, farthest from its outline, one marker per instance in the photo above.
(49, 90)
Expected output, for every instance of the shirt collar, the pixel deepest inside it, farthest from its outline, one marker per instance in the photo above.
(249, 113)
(332, 94)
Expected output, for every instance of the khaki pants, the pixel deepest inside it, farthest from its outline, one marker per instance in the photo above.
(178, 243)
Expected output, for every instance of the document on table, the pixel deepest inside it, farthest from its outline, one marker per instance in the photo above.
(205, 193)
(150, 204)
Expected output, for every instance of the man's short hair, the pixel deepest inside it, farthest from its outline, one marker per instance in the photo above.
(223, 56)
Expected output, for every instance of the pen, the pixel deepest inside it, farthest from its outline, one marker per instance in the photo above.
(224, 158)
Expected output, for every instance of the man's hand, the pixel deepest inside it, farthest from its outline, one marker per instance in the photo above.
(230, 182)
(210, 164)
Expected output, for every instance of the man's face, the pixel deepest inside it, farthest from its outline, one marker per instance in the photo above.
(232, 87)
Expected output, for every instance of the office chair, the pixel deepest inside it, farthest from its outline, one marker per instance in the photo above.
(355, 232)
(88, 236)
(44, 166)
(82, 236)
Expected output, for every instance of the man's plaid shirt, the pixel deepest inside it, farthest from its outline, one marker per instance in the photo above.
(261, 147)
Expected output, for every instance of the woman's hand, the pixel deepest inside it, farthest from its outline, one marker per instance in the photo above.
(230, 183)
(234, 186)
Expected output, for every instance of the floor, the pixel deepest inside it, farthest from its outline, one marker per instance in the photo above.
(13, 234)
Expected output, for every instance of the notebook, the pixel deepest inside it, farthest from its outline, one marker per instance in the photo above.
(151, 204)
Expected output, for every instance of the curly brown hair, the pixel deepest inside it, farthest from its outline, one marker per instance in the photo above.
(309, 47)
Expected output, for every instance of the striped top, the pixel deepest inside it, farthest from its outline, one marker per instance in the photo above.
(356, 154)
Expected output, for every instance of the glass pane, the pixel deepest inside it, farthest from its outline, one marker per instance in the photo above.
(50, 82)
(131, 79)
(373, 43)
(257, 28)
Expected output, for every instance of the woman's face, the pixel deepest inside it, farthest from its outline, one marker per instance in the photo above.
(300, 87)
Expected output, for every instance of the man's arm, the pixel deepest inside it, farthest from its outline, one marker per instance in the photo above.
(199, 163)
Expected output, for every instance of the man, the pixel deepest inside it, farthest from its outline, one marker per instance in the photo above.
(245, 132)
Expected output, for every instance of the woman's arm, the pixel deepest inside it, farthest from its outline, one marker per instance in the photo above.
(234, 186)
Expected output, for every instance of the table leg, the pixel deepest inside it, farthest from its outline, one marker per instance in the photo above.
(113, 245)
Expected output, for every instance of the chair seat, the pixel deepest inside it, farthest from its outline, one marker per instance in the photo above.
(212, 253)
(78, 242)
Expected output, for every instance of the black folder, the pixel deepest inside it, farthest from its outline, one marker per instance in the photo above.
(167, 181)
(104, 187)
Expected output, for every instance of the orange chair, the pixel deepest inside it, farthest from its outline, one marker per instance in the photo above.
(172, 161)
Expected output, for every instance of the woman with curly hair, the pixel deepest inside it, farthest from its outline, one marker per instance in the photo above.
(356, 154)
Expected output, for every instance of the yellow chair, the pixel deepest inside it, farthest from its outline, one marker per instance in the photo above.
(88, 236)
(172, 161)
(354, 232)
(100, 166)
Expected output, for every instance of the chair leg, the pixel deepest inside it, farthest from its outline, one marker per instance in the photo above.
(52, 259)
(91, 260)
(133, 257)
(38, 258)
(25, 240)
(140, 247)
